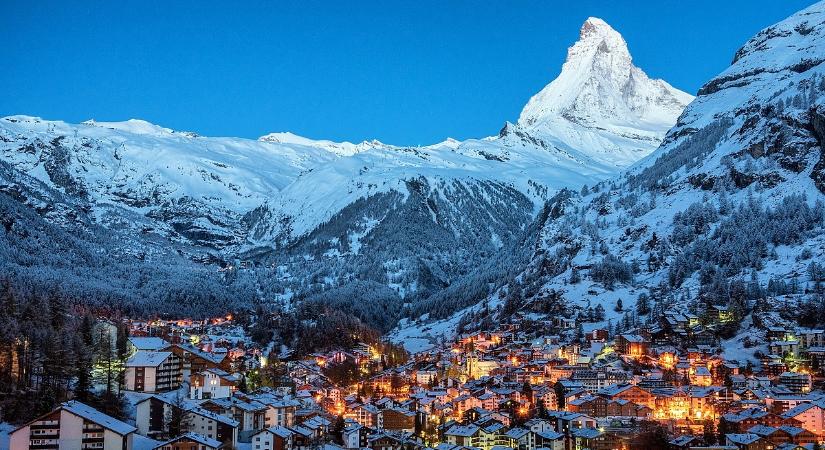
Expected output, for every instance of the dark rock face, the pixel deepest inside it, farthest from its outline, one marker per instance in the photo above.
(736, 80)
(56, 160)
(818, 128)
(742, 180)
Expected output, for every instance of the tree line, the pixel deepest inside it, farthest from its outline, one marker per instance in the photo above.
(52, 350)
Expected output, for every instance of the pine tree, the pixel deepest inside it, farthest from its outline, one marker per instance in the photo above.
(176, 419)
(541, 409)
(337, 431)
(560, 393)
(242, 386)
(274, 372)
(575, 278)
(722, 429)
(599, 313)
(708, 433)
(122, 341)
(104, 352)
(122, 346)
(527, 391)
(9, 332)
(643, 305)
(57, 370)
(83, 370)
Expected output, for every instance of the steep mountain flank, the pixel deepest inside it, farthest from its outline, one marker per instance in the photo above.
(727, 211)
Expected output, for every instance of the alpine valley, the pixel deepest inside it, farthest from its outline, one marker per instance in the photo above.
(610, 189)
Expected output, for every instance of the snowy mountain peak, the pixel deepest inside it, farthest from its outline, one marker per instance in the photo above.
(135, 126)
(602, 103)
(596, 36)
(338, 148)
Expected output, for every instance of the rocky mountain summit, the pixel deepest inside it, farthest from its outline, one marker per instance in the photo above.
(601, 103)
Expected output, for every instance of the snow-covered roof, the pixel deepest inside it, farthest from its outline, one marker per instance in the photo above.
(148, 343)
(615, 389)
(792, 430)
(302, 430)
(762, 430)
(215, 358)
(462, 430)
(216, 417)
(229, 402)
(516, 433)
(93, 415)
(199, 438)
(634, 338)
(683, 440)
(145, 358)
(742, 438)
(278, 430)
(702, 371)
(587, 433)
(799, 409)
(550, 435)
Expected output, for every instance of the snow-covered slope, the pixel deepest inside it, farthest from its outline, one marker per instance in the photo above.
(530, 166)
(204, 188)
(728, 210)
(601, 104)
(197, 188)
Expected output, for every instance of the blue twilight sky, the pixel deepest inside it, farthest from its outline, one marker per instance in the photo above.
(404, 72)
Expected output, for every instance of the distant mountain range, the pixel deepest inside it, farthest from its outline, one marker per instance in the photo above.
(600, 115)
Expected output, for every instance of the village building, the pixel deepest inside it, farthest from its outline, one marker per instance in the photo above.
(249, 413)
(152, 415)
(73, 425)
(809, 415)
(396, 419)
(355, 435)
(151, 371)
(633, 345)
(147, 343)
(273, 438)
(212, 383)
